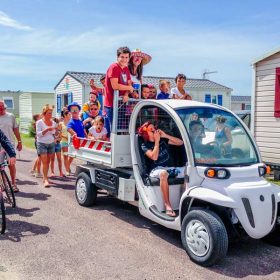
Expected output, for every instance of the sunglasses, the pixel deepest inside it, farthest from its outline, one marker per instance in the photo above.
(74, 110)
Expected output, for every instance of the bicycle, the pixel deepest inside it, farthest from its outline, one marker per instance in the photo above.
(6, 186)
(2, 215)
(7, 195)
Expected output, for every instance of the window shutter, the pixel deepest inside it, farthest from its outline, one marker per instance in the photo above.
(242, 106)
(220, 99)
(207, 98)
(70, 97)
(277, 94)
(58, 103)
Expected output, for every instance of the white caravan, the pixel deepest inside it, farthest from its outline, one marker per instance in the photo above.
(221, 197)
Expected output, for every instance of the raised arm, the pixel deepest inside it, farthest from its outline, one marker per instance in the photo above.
(171, 139)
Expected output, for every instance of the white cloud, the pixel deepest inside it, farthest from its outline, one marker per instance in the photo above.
(9, 22)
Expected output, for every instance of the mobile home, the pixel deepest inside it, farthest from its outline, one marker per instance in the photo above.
(74, 86)
(265, 123)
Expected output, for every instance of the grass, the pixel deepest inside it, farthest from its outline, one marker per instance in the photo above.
(277, 182)
(27, 141)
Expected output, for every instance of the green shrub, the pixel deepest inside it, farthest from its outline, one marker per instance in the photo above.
(31, 129)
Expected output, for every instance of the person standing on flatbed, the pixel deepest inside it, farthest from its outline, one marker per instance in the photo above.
(117, 78)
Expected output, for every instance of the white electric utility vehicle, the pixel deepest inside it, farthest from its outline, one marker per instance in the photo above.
(221, 196)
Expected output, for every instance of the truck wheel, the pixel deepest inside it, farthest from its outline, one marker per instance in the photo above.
(273, 238)
(86, 192)
(204, 237)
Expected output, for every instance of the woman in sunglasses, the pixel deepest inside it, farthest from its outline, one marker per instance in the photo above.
(155, 147)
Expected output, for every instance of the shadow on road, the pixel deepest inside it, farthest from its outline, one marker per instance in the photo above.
(22, 211)
(24, 160)
(130, 214)
(16, 230)
(35, 196)
(65, 183)
(244, 258)
(26, 183)
(251, 257)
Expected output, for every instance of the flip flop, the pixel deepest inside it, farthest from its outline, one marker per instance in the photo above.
(170, 213)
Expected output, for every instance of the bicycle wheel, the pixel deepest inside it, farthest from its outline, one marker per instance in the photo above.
(8, 192)
(2, 215)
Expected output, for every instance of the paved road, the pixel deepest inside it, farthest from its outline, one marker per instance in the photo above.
(50, 237)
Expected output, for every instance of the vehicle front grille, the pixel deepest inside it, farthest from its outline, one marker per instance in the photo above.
(273, 207)
(248, 210)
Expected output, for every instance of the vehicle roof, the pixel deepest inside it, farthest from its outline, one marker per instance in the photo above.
(177, 104)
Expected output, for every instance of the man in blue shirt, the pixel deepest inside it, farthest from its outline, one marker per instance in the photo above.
(75, 125)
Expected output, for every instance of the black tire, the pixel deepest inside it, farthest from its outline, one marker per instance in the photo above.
(8, 190)
(85, 191)
(204, 227)
(2, 215)
(273, 238)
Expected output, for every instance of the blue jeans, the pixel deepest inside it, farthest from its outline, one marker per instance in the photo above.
(108, 119)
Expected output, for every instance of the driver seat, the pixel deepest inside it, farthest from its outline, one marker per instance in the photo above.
(143, 164)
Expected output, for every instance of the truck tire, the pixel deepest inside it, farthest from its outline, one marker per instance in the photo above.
(204, 237)
(273, 238)
(85, 191)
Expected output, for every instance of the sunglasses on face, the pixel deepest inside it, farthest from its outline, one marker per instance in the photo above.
(74, 110)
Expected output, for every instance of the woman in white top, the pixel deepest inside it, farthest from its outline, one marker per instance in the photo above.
(178, 92)
(137, 60)
(45, 130)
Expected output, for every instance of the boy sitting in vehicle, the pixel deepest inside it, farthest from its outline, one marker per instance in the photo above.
(155, 147)
(98, 131)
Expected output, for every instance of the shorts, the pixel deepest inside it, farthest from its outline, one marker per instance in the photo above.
(43, 148)
(175, 172)
(64, 144)
(57, 148)
(36, 146)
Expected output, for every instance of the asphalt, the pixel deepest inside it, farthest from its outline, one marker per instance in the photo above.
(50, 236)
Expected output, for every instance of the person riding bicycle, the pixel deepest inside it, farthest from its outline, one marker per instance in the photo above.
(8, 147)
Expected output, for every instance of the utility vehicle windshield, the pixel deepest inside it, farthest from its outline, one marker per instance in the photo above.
(217, 137)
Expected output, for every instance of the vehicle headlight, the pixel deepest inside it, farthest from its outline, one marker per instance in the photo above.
(217, 173)
(221, 174)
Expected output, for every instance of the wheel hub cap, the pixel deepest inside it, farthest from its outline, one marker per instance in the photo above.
(197, 238)
(81, 190)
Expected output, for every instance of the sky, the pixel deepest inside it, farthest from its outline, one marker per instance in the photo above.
(42, 39)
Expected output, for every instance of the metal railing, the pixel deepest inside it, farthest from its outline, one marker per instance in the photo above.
(122, 113)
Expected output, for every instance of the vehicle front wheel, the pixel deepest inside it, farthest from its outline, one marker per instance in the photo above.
(204, 237)
(86, 191)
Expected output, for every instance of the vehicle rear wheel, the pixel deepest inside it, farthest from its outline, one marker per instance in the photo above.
(2, 215)
(86, 191)
(204, 237)
(8, 190)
